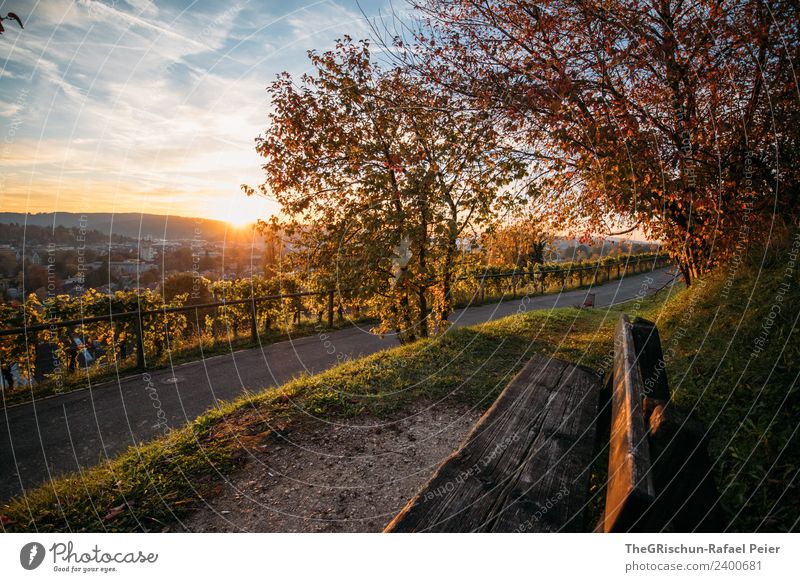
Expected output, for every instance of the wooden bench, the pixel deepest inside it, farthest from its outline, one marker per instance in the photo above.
(659, 472)
(526, 465)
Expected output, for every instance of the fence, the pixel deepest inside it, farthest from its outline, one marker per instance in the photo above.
(476, 288)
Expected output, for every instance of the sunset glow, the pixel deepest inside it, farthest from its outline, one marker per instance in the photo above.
(138, 107)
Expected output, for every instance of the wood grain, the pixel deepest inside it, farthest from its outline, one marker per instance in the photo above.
(630, 489)
(525, 465)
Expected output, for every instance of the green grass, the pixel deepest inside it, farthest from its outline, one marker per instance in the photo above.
(749, 401)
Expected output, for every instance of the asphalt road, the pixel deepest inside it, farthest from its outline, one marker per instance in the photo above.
(68, 432)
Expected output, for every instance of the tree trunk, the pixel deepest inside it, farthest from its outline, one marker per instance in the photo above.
(406, 334)
(422, 302)
(445, 306)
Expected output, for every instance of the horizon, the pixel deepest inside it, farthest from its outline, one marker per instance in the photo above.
(632, 237)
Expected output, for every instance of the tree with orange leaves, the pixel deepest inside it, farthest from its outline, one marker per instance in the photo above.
(680, 118)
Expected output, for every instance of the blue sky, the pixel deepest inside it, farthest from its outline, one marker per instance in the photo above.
(149, 106)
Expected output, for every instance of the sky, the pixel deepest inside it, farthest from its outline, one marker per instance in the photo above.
(150, 106)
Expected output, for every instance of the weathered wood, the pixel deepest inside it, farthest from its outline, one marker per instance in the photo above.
(651, 364)
(526, 464)
(630, 489)
(687, 499)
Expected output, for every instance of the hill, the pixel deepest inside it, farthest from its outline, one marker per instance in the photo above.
(130, 224)
(733, 356)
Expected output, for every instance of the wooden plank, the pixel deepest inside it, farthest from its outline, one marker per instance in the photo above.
(525, 465)
(630, 489)
(683, 476)
(650, 360)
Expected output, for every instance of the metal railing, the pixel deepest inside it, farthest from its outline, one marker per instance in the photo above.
(651, 262)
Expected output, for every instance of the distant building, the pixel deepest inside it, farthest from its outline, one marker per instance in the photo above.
(147, 252)
(130, 267)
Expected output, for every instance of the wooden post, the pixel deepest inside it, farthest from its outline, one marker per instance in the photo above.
(140, 362)
(330, 308)
(580, 277)
(253, 325)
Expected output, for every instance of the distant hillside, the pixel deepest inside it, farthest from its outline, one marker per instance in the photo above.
(132, 224)
(17, 234)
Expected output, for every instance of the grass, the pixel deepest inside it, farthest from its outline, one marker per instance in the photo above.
(750, 404)
(736, 366)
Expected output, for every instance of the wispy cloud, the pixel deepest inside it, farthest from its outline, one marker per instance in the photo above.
(130, 102)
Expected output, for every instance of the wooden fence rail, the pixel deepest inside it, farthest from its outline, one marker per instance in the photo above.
(636, 264)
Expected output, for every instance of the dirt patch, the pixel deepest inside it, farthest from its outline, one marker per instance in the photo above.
(337, 477)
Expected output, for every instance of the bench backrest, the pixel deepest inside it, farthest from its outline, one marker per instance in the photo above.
(630, 488)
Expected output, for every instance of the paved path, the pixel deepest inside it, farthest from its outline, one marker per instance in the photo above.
(64, 433)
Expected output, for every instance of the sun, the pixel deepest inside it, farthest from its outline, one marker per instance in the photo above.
(239, 220)
(242, 211)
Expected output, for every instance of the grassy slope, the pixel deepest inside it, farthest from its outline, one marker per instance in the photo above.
(751, 422)
(748, 398)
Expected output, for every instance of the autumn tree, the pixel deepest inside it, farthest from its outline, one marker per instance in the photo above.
(681, 118)
(379, 175)
(516, 240)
